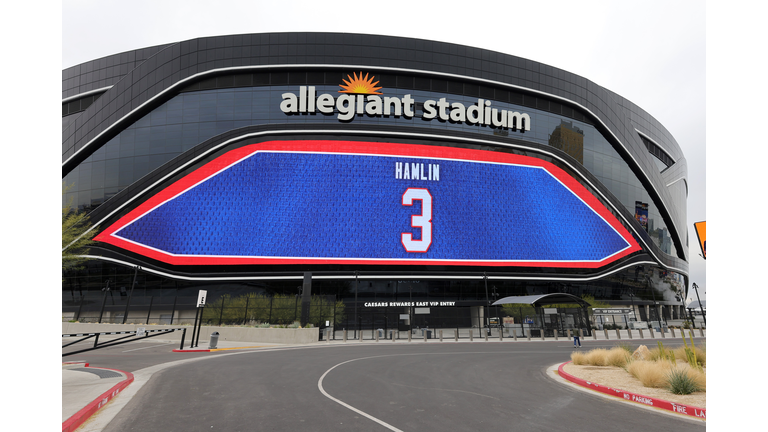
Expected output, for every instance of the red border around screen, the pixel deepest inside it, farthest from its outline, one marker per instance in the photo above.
(358, 147)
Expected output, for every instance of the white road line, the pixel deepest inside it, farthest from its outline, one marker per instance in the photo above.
(136, 349)
(322, 390)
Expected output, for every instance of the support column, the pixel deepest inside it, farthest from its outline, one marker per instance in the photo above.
(306, 298)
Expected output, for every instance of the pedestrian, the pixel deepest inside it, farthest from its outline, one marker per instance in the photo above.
(576, 340)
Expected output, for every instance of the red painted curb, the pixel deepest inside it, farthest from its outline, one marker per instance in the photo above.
(84, 414)
(645, 400)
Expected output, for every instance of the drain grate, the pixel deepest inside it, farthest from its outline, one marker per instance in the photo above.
(100, 372)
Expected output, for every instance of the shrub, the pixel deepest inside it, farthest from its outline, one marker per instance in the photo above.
(625, 347)
(650, 373)
(579, 358)
(617, 357)
(598, 357)
(681, 382)
(701, 355)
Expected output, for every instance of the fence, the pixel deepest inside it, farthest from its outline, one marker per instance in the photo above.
(249, 309)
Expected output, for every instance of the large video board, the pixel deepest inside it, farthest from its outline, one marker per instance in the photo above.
(345, 202)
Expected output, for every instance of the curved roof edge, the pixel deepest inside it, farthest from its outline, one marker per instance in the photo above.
(543, 299)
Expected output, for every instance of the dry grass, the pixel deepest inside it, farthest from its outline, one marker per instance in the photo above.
(697, 375)
(701, 354)
(601, 357)
(650, 373)
(579, 358)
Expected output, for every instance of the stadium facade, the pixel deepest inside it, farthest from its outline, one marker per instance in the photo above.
(391, 174)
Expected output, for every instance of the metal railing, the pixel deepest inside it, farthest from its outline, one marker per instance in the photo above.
(132, 336)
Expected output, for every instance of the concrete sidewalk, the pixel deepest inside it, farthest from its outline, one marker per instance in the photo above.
(85, 389)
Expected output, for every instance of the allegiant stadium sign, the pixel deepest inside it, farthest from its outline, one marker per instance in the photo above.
(360, 97)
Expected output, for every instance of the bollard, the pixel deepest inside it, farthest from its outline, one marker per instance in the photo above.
(328, 335)
(650, 330)
(456, 335)
(361, 335)
(641, 333)
(529, 334)
(569, 334)
(605, 330)
(501, 335)
(701, 331)
(409, 335)
(672, 331)
(392, 334)
(581, 334)
(542, 334)
(594, 335)
(618, 335)
(377, 336)
(629, 332)
(345, 335)
(441, 335)
(425, 336)
(555, 333)
(661, 330)
(486, 336)
(470, 335)
(514, 334)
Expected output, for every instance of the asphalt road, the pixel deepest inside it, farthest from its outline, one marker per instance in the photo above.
(419, 387)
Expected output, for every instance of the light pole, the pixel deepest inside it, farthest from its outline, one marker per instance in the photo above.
(655, 305)
(696, 287)
(357, 286)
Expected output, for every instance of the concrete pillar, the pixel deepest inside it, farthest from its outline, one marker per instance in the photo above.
(345, 335)
(569, 333)
(629, 333)
(441, 335)
(618, 335)
(456, 335)
(361, 335)
(650, 330)
(673, 332)
(514, 333)
(641, 333)
(605, 330)
(377, 335)
(470, 335)
(409, 335)
(555, 332)
(425, 335)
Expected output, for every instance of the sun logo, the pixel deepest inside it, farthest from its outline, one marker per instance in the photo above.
(359, 85)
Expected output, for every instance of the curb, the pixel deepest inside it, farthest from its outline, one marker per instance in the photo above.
(699, 413)
(84, 414)
(220, 349)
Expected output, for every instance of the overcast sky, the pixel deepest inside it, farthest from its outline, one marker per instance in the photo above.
(651, 52)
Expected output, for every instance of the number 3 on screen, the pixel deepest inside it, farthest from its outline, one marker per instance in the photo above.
(423, 221)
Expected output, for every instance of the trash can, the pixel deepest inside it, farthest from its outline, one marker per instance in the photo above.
(214, 340)
(429, 334)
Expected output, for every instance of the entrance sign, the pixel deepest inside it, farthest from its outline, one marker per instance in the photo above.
(603, 311)
(201, 298)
